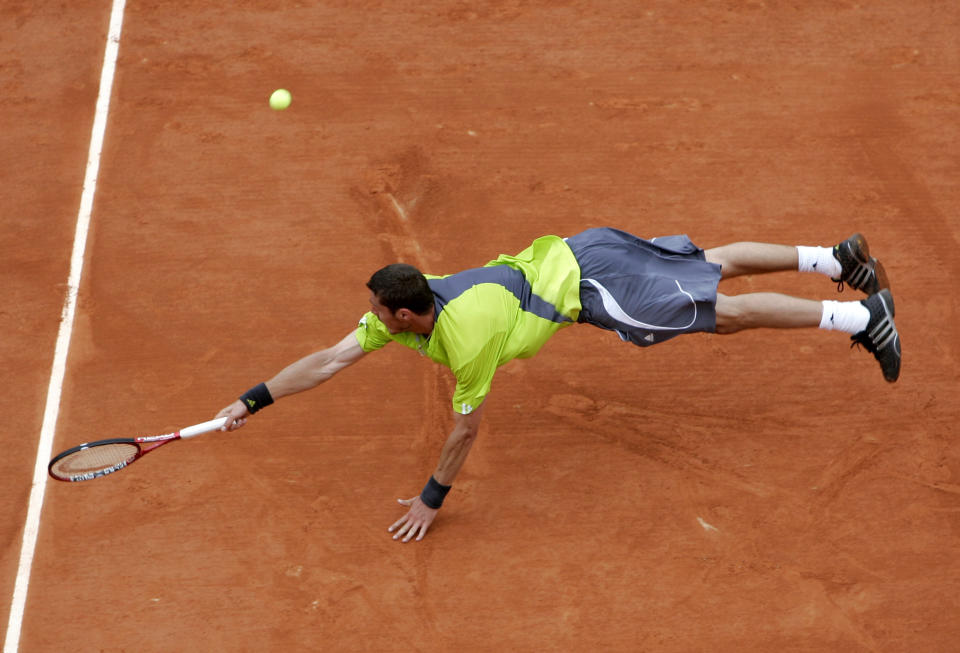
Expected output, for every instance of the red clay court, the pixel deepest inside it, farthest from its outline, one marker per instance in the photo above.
(761, 492)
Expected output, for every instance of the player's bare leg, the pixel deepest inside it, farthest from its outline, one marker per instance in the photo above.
(737, 259)
(766, 310)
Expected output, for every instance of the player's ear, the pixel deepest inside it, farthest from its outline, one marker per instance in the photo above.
(403, 314)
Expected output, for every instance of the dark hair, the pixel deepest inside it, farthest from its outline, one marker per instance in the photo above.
(402, 286)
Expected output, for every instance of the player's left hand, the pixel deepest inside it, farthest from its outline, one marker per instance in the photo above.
(417, 520)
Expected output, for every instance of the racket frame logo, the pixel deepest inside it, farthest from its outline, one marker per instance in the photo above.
(89, 476)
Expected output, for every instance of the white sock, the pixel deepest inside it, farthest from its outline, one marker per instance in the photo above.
(851, 317)
(819, 259)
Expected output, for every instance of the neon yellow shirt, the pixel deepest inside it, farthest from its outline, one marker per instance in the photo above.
(487, 316)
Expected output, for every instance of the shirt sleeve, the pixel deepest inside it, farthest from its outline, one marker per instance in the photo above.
(371, 333)
(474, 377)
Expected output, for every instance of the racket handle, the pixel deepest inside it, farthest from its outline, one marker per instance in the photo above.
(205, 427)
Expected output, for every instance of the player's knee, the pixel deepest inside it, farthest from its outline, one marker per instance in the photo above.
(717, 255)
(726, 257)
(731, 314)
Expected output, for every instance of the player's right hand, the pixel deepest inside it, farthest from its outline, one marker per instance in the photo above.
(236, 414)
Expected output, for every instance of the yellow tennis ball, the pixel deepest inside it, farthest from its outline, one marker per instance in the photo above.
(280, 99)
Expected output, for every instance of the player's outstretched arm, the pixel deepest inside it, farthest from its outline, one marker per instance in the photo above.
(423, 509)
(304, 374)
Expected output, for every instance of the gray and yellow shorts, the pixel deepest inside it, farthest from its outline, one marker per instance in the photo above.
(647, 291)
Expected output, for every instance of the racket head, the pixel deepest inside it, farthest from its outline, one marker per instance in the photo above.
(94, 459)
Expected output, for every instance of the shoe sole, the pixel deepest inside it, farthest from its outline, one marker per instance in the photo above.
(882, 283)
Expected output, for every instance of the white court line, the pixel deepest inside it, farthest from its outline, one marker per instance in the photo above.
(52, 408)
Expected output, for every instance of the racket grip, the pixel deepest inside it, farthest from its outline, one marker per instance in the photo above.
(204, 427)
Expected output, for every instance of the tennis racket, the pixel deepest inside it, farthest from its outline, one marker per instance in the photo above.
(95, 459)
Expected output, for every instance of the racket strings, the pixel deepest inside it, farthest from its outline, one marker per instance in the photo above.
(94, 459)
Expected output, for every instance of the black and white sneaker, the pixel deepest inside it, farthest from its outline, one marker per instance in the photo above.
(860, 270)
(880, 337)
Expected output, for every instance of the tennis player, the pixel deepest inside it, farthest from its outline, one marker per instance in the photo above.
(646, 291)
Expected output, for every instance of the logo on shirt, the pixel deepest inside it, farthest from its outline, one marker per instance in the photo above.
(466, 409)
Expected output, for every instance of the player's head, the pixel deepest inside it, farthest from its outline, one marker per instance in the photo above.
(401, 286)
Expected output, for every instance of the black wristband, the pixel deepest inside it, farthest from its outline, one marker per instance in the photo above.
(434, 493)
(256, 398)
